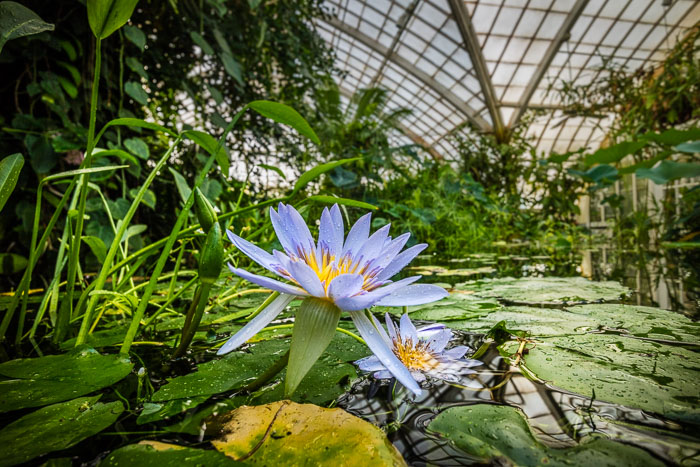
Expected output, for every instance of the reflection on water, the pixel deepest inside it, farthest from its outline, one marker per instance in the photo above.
(558, 418)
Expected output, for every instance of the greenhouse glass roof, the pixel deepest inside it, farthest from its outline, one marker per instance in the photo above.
(488, 61)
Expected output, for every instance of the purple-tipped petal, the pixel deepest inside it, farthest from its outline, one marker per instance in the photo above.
(358, 302)
(390, 251)
(267, 282)
(439, 340)
(256, 324)
(383, 353)
(358, 234)
(373, 246)
(302, 236)
(344, 285)
(383, 374)
(458, 352)
(257, 254)
(426, 332)
(370, 363)
(390, 327)
(306, 278)
(401, 261)
(407, 329)
(330, 231)
(284, 234)
(417, 294)
(418, 376)
(381, 331)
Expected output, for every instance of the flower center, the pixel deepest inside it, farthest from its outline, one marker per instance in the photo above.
(416, 356)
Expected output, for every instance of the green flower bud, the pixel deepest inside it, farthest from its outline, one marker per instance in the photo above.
(204, 209)
(211, 259)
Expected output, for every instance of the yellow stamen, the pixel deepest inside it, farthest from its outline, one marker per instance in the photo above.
(415, 356)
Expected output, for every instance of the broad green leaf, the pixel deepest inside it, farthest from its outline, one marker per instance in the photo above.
(286, 115)
(17, 20)
(39, 381)
(221, 40)
(274, 169)
(134, 230)
(309, 435)
(157, 454)
(11, 263)
(68, 87)
(135, 90)
(546, 290)
(232, 67)
(202, 43)
(153, 412)
(648, 375)
(137, 147)
(55, 428)
(182, 187)
(136, 66)
(316, 172)
(211, 145)
(314, 326)
(498, 434)
(136, 36)
(121, 154)
(10, 168)
(598, 174)
(325, 199)
(672, 136)
(106, 16)
(137, 122)
(614, 153)
(668, 171)
(97, 246)
(692, 147)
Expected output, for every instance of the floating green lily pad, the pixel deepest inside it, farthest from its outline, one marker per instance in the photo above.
(636, 373)
(286, 433)
(55, 427)
(642, 321)
(32, 382)
(153, 412)
(497, 434)
(156, 454)
(547, 290)
(458, 272)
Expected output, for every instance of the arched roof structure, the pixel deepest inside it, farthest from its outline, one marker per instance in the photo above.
(488, 61)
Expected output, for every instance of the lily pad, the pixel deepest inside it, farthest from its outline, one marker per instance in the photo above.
(642, 321)
(642, 374)
(547, 290)
(153, 412)
(55, 427)
(459, 305)
(32, 382)
(286, 433)
(497, 434)
(156, 454)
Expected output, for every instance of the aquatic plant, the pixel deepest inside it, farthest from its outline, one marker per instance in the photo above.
(333, 276)
(421, 350)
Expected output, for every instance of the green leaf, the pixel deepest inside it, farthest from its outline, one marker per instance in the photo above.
(286, 115)
(673, 137)
(232, 67)
(221, 40)
(324, 199)
(202, 43)
(11, 263)
(182, 187)
(122, 155)
(136, 66)
(598, 174)
(668, 171)
(138, 147)
(157, 454)
(106, 16)
(39, 381)
(314, 326)
(55, 428)
(211, 145)
(74, 73)
(136, 36)
(317, 171)
(17, 21)
(135, 90)
(497, 434)
(692, 147)
(137, 122)
(10, 168)
(68, 87)
(274, 169)
(614, 153)
(97, 246)
(42, 157)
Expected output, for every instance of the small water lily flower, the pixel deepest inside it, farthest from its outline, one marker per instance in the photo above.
(422, 351)
(333, 275)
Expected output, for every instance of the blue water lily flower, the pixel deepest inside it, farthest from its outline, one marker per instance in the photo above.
(422, 351)
(334, 274)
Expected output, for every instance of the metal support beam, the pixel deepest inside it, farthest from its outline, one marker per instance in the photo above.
(406, 131)
(401, 25)
(561, 37)
(471, 114)
(471, 43)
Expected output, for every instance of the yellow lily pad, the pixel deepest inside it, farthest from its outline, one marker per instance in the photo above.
(287, 433)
